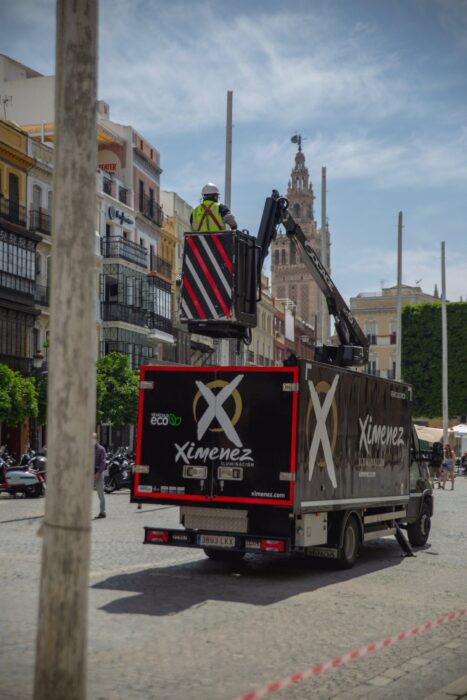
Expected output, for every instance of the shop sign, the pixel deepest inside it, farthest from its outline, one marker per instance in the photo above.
(119, 215)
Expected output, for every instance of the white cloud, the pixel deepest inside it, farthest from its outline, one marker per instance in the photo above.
(174, 78)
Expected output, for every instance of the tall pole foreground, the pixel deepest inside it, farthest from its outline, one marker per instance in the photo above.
(60, 670)
(228, 151)
(399, 300)
(324, 257)
(444, 346)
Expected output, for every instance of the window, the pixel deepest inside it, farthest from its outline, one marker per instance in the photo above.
(49, 202)
(283, 257)
(17, 257)
(141, 194)
(276, 257)
(107, 230)
(152, 154)
(36, 197)
(296, 210)
(292, 254)
(141, 242)
(371, 331)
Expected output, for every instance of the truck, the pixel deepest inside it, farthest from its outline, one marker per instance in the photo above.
(313, 458)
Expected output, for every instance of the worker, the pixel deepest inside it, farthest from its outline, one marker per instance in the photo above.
(210, 215)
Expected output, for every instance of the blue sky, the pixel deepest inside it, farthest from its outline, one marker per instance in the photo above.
(378, 88)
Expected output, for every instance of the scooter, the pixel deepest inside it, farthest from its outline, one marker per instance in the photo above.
(14, 480)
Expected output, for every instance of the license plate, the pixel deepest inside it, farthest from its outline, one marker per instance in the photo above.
(216, 541)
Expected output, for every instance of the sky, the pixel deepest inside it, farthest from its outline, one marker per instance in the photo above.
(378, 91)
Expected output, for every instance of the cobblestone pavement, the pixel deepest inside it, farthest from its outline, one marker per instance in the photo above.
(167, 623)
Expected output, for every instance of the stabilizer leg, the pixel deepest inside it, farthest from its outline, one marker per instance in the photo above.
(403, 542)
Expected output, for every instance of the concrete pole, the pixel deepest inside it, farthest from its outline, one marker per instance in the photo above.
(62, 631)
(399, 300)
(444, 347)
(324, 256)
(228, 151)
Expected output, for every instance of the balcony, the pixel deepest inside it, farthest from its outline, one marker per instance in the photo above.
(159, 323)
(23, 365)
(40, 221)
(119, 247)
(393, 338)
(151, 209)
(114, 311)
(161, 266)
(371, 337)
(18, 284)
(41, 295)
(12, 211)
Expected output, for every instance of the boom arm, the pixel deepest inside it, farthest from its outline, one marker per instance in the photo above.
(353, 348)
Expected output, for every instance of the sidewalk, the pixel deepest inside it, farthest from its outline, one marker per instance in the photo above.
(453, 691)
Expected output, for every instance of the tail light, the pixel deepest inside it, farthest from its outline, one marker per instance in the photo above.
(157, 536)
(272, 546)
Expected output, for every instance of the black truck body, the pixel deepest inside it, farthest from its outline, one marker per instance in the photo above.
(310, 458)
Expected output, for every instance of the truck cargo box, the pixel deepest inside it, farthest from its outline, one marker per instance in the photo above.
(306, 438)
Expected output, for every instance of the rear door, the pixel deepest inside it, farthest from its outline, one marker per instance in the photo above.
(218, 434)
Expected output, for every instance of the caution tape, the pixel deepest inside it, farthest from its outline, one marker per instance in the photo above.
(275, 686)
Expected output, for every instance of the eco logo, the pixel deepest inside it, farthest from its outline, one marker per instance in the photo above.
(215, 408)
(163, 419)
(321, 435)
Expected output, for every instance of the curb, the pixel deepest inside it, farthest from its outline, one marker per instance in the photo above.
(453, 691)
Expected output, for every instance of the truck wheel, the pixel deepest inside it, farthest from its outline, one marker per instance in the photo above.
(222, 554)
(419, 531)
(350, 544)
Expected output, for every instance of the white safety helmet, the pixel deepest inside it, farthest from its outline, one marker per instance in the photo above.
(210, 188)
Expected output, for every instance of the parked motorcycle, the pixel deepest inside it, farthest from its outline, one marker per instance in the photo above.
(36, 462)
(14, 480)
(119, 471)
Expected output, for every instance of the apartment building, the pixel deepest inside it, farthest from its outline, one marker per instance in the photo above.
(376, 313)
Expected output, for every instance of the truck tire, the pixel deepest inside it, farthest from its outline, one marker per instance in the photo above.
(222, 554)
(349, 551)
(419, 531)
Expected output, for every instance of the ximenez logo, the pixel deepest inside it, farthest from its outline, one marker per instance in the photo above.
(162, 419)
(379, 435)
(189, 451)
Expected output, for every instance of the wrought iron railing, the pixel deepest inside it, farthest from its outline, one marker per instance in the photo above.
(114, 311)
(160, 323)
(160, 265)
(41, 294)
(119, 247)
(151, 209)
(40, 221)
(17, 283)
(19, 364)
(12, 211)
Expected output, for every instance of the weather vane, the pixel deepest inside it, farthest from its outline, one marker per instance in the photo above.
(297, 138)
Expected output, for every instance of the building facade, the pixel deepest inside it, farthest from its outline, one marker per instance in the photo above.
(376, 313)
(290, 278)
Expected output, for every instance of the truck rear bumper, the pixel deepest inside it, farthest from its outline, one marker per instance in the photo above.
(228, 541)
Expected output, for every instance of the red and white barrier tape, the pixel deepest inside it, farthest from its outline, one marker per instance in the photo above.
(275, 686)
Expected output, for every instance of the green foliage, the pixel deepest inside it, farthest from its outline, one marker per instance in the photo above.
(421, 357)
(41, 392)
(18, 400)
(117, 390)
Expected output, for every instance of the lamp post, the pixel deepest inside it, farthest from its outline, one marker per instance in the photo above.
(37, 372)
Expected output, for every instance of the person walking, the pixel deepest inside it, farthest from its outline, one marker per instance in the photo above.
(211, 216)
(99, 469)
(448, 466)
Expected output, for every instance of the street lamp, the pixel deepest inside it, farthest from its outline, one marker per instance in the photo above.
(37, 371)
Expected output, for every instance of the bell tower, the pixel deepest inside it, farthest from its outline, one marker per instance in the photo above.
(290, 278)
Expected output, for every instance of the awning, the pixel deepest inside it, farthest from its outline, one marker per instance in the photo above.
(430, 435)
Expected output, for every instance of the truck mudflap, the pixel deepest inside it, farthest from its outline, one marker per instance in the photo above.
(218, 540)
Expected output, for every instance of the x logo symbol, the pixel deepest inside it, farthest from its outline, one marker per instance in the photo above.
(321, 435)
(215, 410)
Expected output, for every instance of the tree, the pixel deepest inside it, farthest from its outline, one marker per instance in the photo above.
(18, 400)
(117, 390)
(421, 357)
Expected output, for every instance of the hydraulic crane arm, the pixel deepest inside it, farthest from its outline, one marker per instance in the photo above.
(353, 348)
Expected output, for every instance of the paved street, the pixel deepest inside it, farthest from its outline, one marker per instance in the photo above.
(169, 623)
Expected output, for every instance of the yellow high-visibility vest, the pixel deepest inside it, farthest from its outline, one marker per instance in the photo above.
(207, 217)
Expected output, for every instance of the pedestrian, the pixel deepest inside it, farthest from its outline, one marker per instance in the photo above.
(211, 216)
(448, 466)
(99, 469)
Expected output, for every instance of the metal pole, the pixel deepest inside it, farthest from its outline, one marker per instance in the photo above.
(444, 346)
(399, 300)
(324, 306)
(62, 630)
(228, 151)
